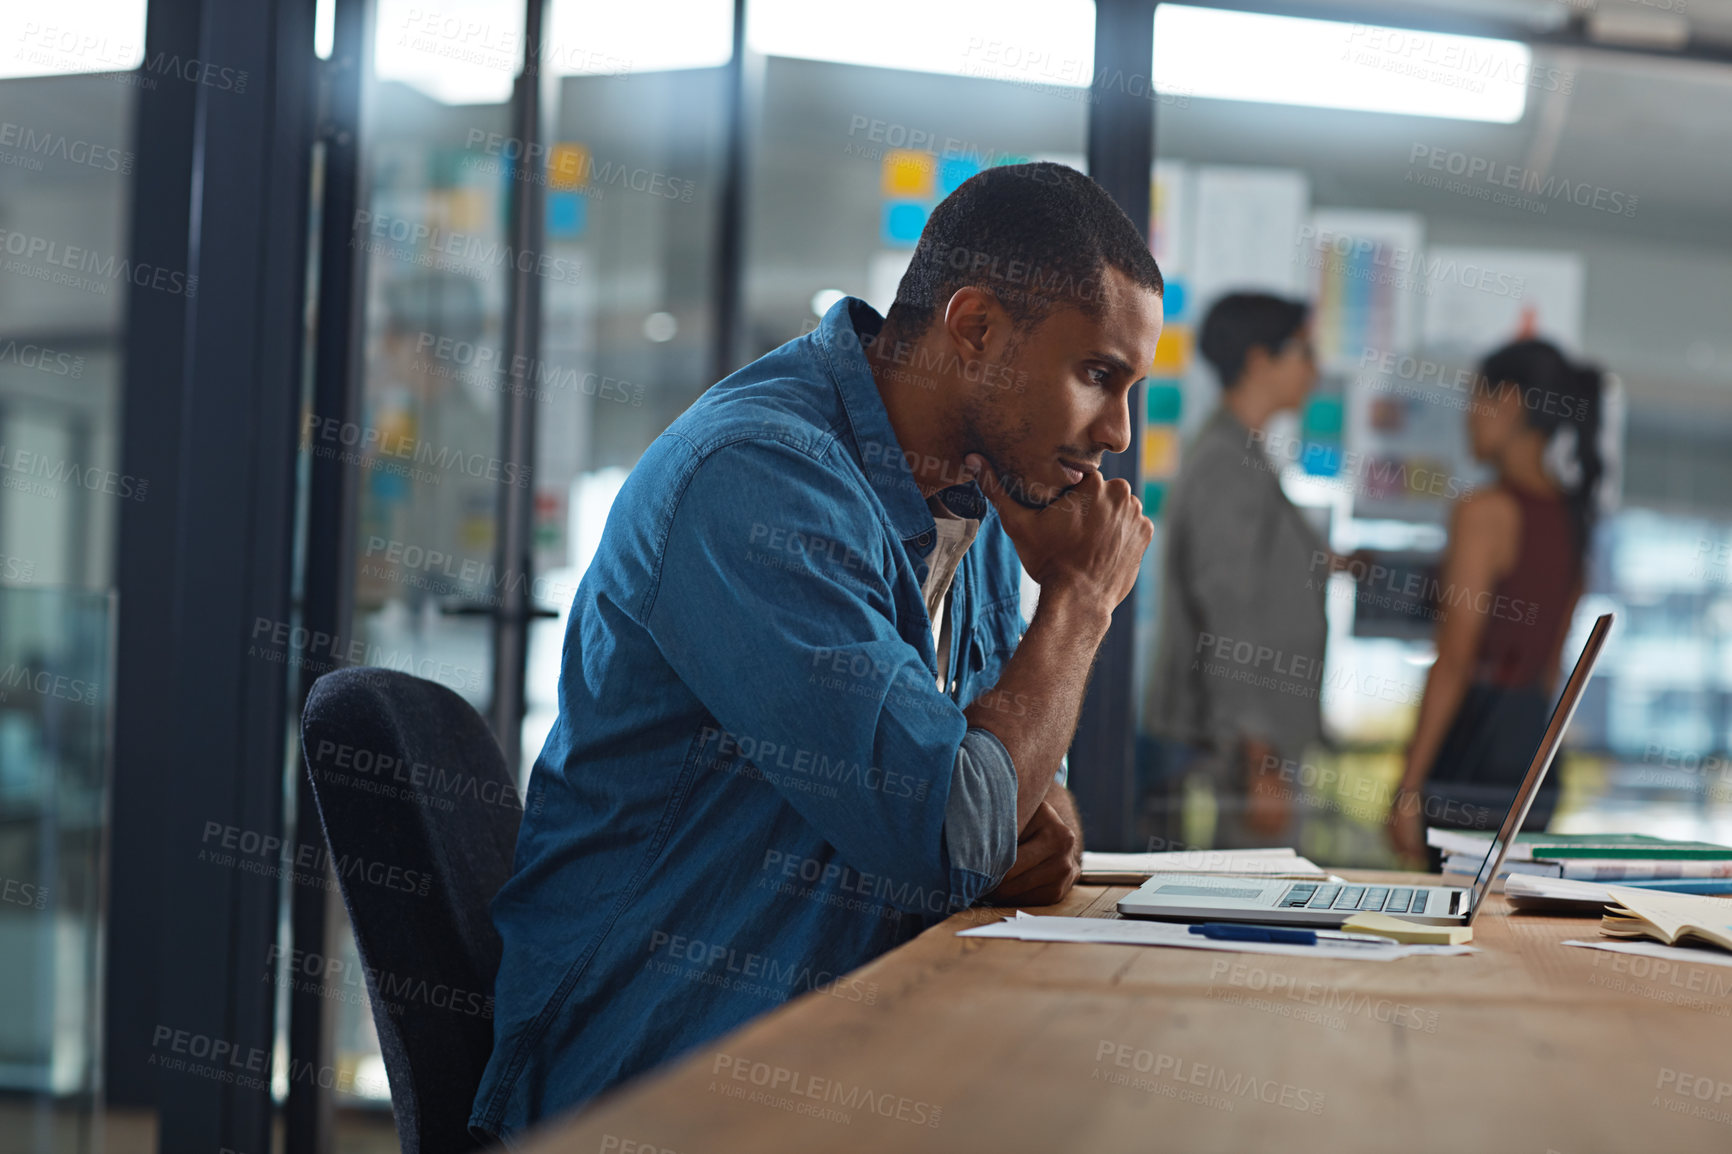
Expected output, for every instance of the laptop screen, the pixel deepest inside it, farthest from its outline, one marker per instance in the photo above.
(1524, 799)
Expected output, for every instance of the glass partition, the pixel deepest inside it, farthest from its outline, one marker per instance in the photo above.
(1426, 223)
(69, 88)
(56, 678)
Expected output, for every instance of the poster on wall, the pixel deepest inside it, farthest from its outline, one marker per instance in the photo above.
(1364, 271)
(1170, 216)
(1483, 297)
(1247, 223)
(1244, 224)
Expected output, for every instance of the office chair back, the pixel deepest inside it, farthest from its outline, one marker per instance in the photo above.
(421, 819)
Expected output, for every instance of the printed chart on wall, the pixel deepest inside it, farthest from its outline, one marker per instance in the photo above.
(1409, 409)
(1483, 297)
(1364, 272)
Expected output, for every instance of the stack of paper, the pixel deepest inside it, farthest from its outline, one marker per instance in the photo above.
(1122, 931)
(1135, 868)
(1555, 895)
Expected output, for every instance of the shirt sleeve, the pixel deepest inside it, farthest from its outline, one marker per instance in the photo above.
(773, 607)
(980, 818)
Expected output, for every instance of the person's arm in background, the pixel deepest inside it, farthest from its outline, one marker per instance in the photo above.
(1482, 539)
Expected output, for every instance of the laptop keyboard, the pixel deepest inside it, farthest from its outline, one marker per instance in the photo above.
(1387, 899)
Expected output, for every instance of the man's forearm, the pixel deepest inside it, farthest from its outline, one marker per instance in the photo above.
(1034, 707)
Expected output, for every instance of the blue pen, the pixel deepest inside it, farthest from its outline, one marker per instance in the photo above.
(1233, 932)
(1225, 931)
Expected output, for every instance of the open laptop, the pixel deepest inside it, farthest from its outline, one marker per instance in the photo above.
(1222, 898)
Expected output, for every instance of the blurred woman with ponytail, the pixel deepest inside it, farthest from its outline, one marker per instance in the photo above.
(1512, 572)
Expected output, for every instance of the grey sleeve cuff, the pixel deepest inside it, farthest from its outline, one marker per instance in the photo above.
(980, 816)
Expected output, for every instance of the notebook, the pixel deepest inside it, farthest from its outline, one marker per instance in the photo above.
(1670, 918)
(1611, 869)
(1536, 846)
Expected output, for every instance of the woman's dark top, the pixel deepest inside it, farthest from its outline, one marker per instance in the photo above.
(1530, 610)
(1492, 738)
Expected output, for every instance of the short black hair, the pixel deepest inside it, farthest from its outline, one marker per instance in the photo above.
(1037, 236)
(1240, 322)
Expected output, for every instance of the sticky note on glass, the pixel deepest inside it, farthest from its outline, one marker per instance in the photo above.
(1411, 933)
(1165, 398)
(1173, 351)
(908, 173)
(1160, 451)
(566, 167)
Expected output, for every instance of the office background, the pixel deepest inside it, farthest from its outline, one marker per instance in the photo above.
(277, 394)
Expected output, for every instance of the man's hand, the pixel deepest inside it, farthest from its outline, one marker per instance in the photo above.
(1048, 862)
(1084, 550)
(1092, 538)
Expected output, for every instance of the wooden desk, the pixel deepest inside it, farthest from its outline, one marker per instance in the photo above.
(1027, 1046)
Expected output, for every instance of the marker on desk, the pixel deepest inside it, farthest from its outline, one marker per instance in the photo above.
(1233, 932)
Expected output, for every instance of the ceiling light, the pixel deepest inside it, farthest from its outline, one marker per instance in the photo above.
(1210, 52)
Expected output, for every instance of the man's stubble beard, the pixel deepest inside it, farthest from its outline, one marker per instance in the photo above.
(994, 442)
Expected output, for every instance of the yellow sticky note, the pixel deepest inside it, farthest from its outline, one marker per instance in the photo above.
(1411, 933)
(566, 167)
(1160, 452)
(1173, 353)
(909, 174)
(459, 209)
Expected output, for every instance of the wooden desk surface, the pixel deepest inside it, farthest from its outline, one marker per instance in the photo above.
(972, 1044)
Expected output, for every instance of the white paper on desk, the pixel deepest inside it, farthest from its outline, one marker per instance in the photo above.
(1125, 932)
(1283, 862)
(1709, 957)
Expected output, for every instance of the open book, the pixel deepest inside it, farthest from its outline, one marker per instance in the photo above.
(1669, 918)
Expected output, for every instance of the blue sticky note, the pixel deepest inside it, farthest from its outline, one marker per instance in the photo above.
(566, 215)
(903, 220)
(1321, 458)
(954, 171)
(1174, 300)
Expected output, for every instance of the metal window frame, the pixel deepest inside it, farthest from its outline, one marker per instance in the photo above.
(209, 417)
(332, 510)
(1121, 147)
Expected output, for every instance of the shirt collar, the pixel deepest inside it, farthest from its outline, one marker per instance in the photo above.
(842, 334)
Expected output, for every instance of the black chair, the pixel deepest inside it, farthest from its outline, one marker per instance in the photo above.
(421, 819)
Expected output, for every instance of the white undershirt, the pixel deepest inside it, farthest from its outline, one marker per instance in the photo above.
(955, 535)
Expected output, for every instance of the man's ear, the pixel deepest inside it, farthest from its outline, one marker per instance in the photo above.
(969, 318)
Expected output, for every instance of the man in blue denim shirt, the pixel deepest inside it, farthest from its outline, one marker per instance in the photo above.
(800, 719)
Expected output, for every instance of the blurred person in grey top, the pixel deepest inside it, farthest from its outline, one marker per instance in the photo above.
(1239, 662)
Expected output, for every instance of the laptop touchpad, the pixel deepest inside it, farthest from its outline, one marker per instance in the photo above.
(1195, 891)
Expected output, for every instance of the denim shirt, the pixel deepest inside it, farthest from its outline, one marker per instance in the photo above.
(744, 796)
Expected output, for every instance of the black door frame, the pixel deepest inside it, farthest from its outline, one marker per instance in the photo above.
(209, 419)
